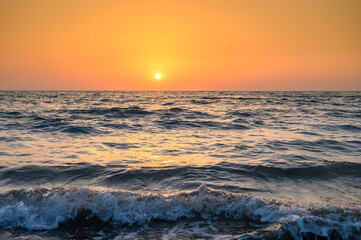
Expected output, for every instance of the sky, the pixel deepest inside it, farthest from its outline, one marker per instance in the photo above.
(195, 45)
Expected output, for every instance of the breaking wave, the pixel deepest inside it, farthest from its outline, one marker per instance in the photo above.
(39, 209)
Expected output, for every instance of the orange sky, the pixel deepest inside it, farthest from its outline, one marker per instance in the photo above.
(195, 45)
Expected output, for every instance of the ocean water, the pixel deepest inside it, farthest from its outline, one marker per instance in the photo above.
(180, 165)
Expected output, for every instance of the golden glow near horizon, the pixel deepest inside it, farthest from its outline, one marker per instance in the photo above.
(158, 76)
(200, 45)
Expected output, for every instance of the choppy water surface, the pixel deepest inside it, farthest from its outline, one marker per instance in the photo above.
(190, 165)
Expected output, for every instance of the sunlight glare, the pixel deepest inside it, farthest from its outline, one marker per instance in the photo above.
(158, 76)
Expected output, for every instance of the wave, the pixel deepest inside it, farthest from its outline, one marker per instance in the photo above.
(349, 127)
(201, 102)
(179, 123)
(111, 112)
(176, 109)
(33, 174)
(40, 209)
(79, 130)
(319, 145)
(59, 125)
(325, 171)
(67, 121)
(113, 175)
(241, 113)
(197, 122)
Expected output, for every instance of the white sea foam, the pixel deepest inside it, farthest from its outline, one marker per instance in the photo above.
(46, 209)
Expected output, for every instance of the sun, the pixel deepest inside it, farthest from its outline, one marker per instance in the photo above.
(158, 76)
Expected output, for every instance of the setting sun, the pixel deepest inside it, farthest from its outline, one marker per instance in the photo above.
(158, 76)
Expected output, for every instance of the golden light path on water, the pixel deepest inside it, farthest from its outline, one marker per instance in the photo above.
(173, 141)
(153, 150)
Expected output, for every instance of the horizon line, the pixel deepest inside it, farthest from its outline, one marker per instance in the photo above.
(34, 90)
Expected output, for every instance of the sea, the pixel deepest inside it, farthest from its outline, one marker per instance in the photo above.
(180, 165)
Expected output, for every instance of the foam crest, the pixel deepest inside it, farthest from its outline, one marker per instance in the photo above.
(47, 209)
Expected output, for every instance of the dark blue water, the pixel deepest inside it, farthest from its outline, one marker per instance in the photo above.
(180, 165)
